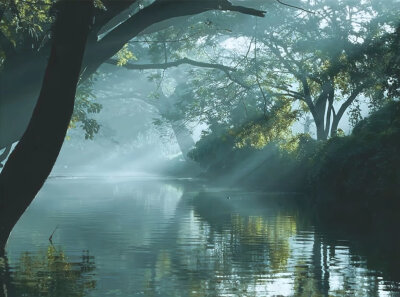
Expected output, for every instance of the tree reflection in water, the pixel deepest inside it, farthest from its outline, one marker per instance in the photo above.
(246, 254)
(169, 243)
(48, 273)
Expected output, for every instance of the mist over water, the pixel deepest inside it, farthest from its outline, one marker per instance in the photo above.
(173, 238)
(214, 154)
(128, 143)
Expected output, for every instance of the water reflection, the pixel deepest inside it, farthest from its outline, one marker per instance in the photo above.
(159, 238)
(48, 273)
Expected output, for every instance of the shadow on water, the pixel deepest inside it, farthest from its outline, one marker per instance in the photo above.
(375, 240)
(380, 247)
(266, 228)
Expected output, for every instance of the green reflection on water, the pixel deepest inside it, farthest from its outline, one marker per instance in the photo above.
(186, 243)
(50, 273)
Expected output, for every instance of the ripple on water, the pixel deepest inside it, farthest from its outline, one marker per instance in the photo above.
(141, 237)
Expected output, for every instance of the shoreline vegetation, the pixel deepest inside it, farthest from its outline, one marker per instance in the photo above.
(351, 179)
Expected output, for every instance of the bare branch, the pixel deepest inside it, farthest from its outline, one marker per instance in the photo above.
(296, 7)
(226, 69)
(167, 65)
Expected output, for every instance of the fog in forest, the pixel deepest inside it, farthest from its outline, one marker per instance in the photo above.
(199, 148)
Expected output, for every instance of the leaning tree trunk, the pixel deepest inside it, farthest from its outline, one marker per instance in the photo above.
(20, 83)
(33, 158)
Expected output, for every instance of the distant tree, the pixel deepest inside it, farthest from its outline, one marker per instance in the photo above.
(325, 58)
(322, 58)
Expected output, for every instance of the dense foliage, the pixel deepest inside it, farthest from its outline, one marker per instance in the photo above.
(344, 177)
(247, 82)
(359, 173)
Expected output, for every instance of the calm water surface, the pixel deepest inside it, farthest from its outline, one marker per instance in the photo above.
(131, 237)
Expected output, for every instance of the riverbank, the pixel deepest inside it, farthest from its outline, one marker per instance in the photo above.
(352, 179)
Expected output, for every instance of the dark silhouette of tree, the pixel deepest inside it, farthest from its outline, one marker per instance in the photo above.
(34, 156)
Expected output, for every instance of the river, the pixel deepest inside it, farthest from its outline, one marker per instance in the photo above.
(121, 236)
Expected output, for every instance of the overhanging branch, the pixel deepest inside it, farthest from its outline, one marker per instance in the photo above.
(157, 12)
(294, 6)
(226, 69)
(171, 64)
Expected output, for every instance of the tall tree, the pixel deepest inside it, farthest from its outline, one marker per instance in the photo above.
(322, 57)
(34, 156)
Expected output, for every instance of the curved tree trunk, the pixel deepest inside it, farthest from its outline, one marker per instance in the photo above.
(19, 91)
(34, 156)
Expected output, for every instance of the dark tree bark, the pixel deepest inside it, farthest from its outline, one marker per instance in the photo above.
(30, 163)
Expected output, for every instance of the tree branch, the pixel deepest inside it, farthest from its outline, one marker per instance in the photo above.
(226, 69)
(171, 64)
(114, 14)
(296, 7)
(294, 94)
(299, 64)
(237, 81)
(350, 100)
(157, 12)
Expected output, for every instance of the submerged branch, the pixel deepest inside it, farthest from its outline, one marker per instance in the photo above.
(51, 236)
